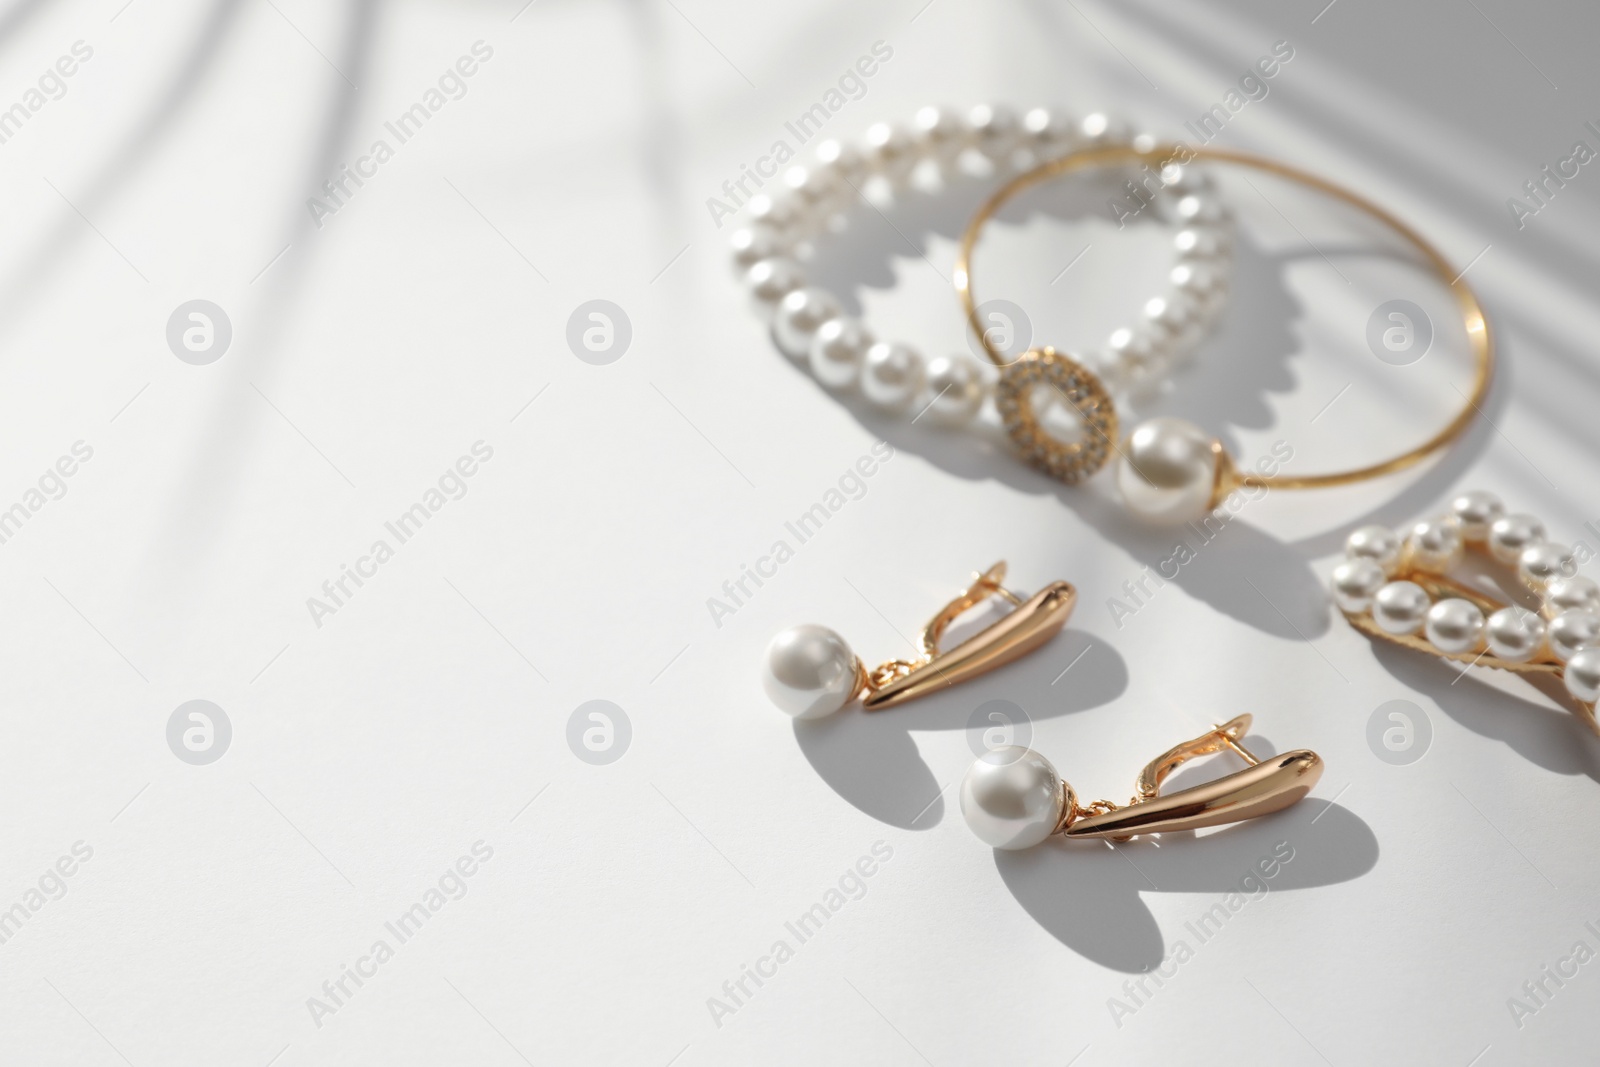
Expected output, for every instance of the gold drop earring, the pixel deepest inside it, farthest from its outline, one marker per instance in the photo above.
(1012, 797)
(810, 671)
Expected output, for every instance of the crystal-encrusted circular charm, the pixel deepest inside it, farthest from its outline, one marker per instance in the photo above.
(1071, 461)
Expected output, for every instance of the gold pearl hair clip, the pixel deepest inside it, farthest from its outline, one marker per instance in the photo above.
(1398, 588)
(1012, 797)
(810, 671)
(1169, 469)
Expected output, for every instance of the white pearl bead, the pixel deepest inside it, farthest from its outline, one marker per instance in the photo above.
(1573, 630)
(994, 131)
(844, 160)
(1377, 543)
(837, 349)
(1435, 544)
(1202, 242)
(955, 387)
(810, 672)
(1140, 355)
(889, 150)
(752, 244)
(1204, 281)
(1474, 511)
(1048, 132)
(771, 280)
(939, 133)
(1167, 471)
(1565, 594)
(1012, 798)
(1515, 634)
(1175, 317)
(1196, 209)
(799, 314)
(813, 187)
(1582, 675)
(1099, 129)
(1182, 179)
(1540, 564)
(1400, 607)
(1455, 626)
(891, 374)
(777, 212)
(1510, 534)
(1354, 582)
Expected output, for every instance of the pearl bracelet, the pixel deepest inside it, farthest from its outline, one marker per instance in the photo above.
(1395, 587)
(808, 323)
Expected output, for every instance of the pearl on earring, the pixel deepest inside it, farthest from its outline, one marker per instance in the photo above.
(810, 672)
(1012, 798)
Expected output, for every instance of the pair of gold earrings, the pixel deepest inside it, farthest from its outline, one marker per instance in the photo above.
(1013, 797)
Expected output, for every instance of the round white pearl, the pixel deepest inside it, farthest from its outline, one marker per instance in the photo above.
(1540, 564)
(891, 374)
(1377, 543)
(1565, 594)
(1435, 544)
(1515, 634)
(1196, 209)
(956, 387)
(844, 160)
(1167, 471)
(1400, 607)
(1182, 179)
(1455, 626)
(1354, 582)
(1100, 128)
(1510, 534)
(810, 672)
(1139, 355)
(752, 244)
(1202, 242)
(939, 133)
(1582, 675)
(812, 186)
(889, 150)
(994, 130)
(1048, 131)
(1175, 317)
(777, 212)
(1011, 797)
(771, 280)
(837, 349)
(1204, 281)
(799, 314)
(1474, 511)
(1573, 630)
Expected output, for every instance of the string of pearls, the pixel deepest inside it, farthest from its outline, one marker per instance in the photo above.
(809, 325)
(1566, 629)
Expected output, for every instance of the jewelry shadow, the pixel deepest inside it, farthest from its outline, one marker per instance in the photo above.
(1553, 737)
(1089, 894)
(1246, 359)
(871, 760)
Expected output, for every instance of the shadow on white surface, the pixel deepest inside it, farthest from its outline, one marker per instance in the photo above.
(871, 759)
(1545, 733)
(1089, 895)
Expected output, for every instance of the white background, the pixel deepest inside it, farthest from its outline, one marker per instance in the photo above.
(372, 751)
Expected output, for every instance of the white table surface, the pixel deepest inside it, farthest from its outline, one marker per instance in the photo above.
(374, 747)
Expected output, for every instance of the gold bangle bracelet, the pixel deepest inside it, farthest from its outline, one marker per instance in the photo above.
(1171, 482)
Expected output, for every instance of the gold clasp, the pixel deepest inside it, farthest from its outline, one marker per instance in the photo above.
(1034, 622)
(1264, 787)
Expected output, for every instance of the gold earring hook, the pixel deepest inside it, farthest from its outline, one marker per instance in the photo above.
(1035, 621)
(1262, 788)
